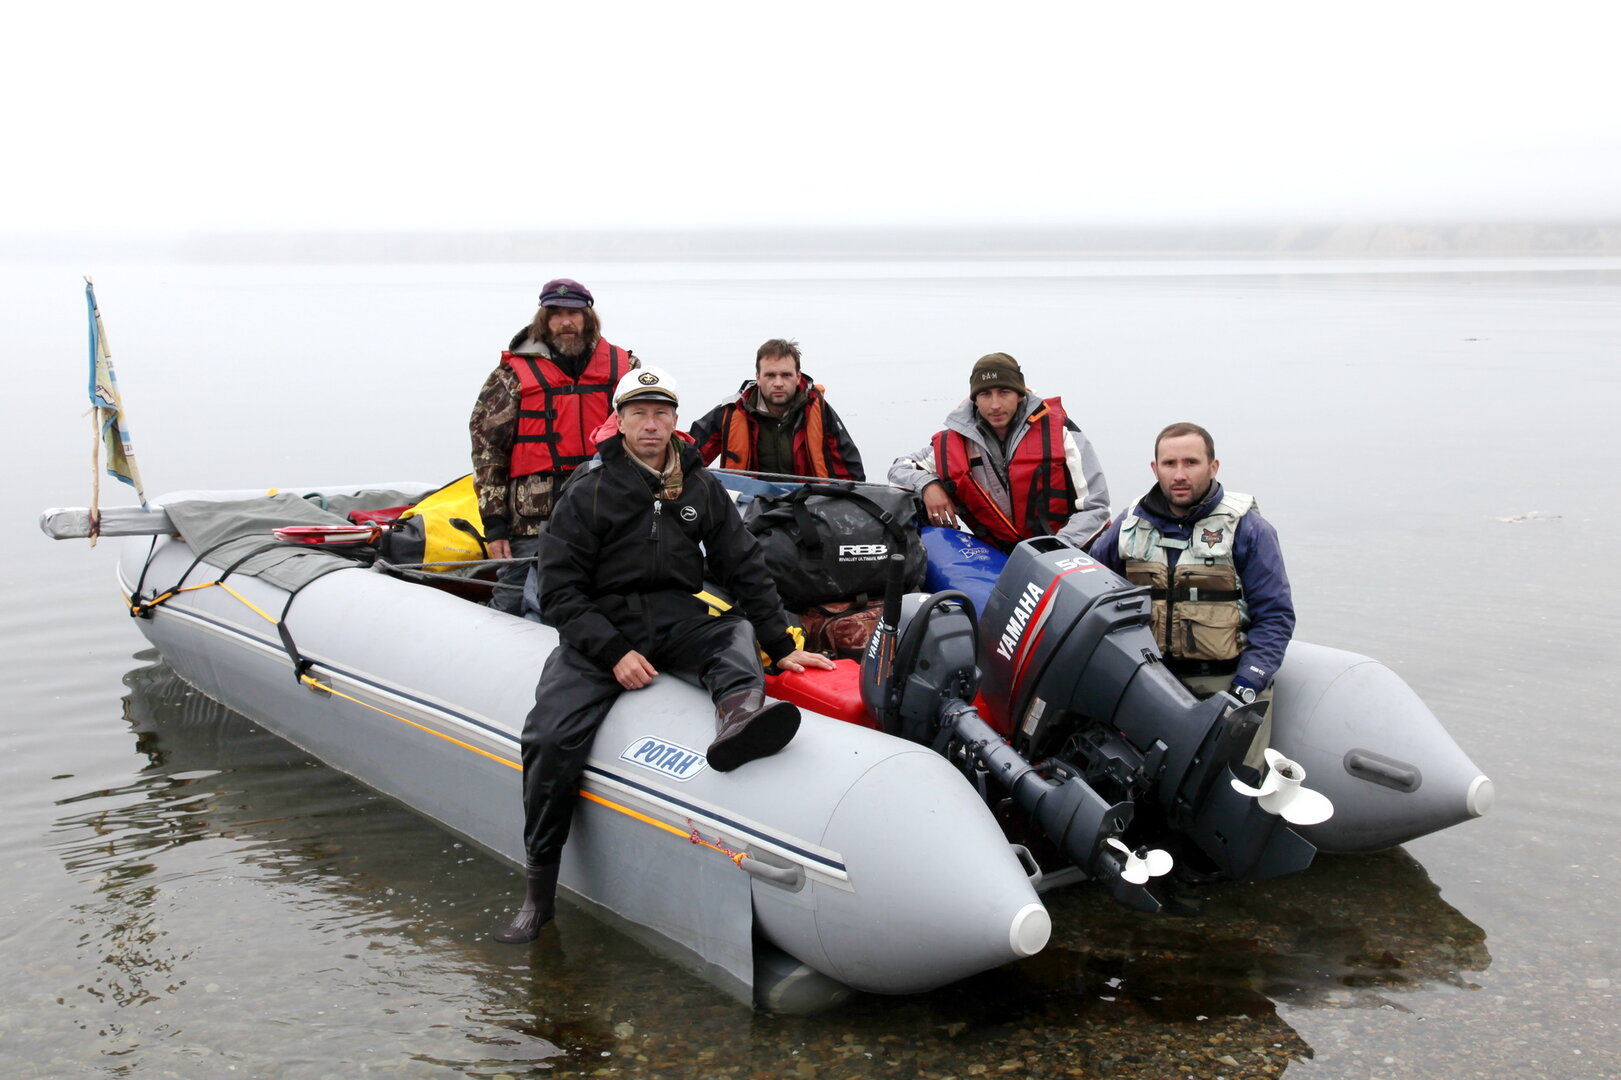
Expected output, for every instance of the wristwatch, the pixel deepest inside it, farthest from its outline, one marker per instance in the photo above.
(1246, 694)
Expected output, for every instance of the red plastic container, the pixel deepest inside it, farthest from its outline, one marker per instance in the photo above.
(835, 693)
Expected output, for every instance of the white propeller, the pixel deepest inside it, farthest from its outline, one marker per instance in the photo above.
(1281, 792)
(1143, 864)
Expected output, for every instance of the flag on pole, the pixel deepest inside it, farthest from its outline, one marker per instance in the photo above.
(107, 412)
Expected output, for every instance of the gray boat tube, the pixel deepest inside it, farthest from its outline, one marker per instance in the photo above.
(864, 858)
(1370, 744)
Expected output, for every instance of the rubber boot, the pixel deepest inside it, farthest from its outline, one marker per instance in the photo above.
(539, 904)
(750, 725)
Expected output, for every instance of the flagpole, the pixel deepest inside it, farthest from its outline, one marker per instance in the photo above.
(95, 475)
(107, 413)
(95, 417)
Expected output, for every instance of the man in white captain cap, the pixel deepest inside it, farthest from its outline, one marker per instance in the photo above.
(618, 577)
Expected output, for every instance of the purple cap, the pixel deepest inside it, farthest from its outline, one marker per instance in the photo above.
(564, 292)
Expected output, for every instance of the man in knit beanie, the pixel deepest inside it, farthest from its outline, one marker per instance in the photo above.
(1009, 464)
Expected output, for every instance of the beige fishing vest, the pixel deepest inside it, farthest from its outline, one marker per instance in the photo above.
(1199, 611)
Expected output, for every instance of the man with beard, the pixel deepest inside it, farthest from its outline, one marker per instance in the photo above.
(779, 422)
(626, 554)
(1010, 464)
(532, 425)
(1223, 614)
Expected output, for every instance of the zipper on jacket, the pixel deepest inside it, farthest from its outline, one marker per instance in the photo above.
(658, 514)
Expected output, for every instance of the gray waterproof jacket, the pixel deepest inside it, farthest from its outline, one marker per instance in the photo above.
(917, 469)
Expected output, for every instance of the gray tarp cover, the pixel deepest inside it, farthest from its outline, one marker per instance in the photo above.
(240, 527)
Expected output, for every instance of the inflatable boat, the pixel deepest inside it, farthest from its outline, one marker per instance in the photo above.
(1008, 731)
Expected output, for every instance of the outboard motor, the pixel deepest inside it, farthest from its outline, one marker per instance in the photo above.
(1077, 717)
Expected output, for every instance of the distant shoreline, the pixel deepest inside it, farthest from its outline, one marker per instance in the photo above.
(1021, 242)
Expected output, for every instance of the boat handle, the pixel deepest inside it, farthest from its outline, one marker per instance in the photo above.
(787, 877)
(1032, 869)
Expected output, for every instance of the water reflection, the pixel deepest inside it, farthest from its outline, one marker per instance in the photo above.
(1124, 994)
(340, 928)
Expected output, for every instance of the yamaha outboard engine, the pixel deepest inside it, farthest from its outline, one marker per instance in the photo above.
(1078, 719)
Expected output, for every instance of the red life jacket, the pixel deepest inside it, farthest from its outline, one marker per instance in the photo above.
(1043, 495)
(556, 414)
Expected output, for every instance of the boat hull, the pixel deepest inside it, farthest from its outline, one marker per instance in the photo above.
(864, 857)
(853, 859)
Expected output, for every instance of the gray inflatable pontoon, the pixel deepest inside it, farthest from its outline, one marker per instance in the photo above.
(857, 858)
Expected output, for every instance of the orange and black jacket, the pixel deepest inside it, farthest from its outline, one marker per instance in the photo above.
(821, 445)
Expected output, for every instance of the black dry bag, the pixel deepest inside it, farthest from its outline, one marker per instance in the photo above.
(826, 542)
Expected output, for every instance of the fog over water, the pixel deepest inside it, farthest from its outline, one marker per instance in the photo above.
(636, 114)
(184, 894)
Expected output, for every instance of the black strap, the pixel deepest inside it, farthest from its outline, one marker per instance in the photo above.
(137, 609)
(895, 529)
(942, 466)
(810, 537)
(1038, 510)
(1177, 665)
(1204, 594)
(578, 388)
(301, 664)
(858, 603)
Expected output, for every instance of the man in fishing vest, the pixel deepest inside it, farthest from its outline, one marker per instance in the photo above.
(625, 556)
(1223, 614)
(533, 421)
(1009, 464)
(779, 422)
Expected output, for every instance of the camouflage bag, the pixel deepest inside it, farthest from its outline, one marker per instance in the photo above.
(840, 629)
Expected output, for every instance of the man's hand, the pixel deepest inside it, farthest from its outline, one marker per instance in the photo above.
(633, 671)
(937, 505)
(500, 549)
(799, 660)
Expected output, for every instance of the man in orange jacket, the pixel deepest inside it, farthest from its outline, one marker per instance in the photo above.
(779, 423)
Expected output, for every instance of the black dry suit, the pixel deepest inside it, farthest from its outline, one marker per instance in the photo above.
(619, 572)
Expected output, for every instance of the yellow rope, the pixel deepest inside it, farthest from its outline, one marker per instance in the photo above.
(736, 856)
(251, 605)
(316, 684)
(161, 597)
(313, 683)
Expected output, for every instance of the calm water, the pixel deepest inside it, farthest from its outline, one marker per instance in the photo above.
(184, 895)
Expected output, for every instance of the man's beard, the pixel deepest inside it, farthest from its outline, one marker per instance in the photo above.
(778, 398)
(570, 345)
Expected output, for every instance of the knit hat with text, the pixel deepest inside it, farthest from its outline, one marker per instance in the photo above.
(993, 370)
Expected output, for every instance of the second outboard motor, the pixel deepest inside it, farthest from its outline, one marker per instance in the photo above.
(1083, 726)
(1070, 668)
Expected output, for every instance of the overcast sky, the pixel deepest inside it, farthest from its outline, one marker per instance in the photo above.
(599, 113)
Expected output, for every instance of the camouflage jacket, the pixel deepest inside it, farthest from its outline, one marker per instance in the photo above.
(510, 506)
